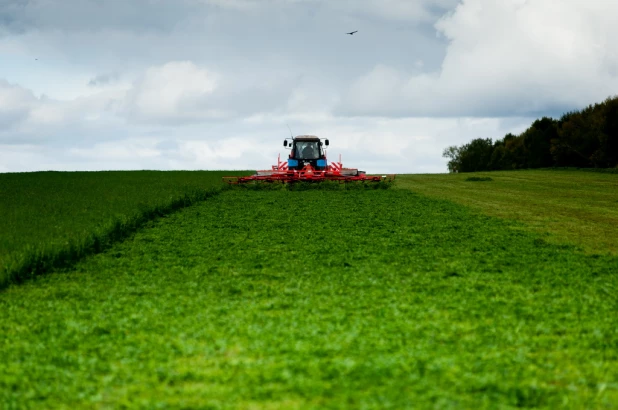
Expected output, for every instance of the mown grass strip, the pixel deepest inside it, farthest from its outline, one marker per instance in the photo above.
(52, 219)
(567, 206)
(601, 170)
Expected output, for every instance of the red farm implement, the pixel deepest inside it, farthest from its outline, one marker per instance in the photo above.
(307, 162)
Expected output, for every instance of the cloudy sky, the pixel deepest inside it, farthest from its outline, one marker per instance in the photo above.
(214, 84)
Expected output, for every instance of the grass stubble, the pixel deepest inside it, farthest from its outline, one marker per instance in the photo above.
(318, 299)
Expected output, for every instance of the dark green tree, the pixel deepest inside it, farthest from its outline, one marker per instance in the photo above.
(537, 142)
(607, 154)
(452, 153)
(476, 155)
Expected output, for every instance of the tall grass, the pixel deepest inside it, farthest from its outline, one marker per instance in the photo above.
(52, 219)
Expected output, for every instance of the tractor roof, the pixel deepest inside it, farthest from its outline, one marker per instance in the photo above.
(307, 138)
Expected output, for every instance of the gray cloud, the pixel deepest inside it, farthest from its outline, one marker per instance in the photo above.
(305, 38)
(89, 15)
(168, 15)
(104, 79)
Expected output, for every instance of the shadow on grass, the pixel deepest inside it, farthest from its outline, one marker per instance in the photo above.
(310, 186)
(479, 179)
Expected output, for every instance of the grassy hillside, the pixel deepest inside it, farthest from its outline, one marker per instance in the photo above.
(50, 218)
(574, 207)
(318, 299)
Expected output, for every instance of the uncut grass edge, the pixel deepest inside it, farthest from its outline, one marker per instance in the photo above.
(35, 261)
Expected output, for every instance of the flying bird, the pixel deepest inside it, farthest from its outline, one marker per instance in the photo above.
(352, 33)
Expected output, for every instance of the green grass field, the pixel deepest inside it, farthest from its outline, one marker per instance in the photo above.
(54, 218)
(568, 206)
(322, 299)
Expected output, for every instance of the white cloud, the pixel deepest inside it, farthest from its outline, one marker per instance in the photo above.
(20, 107)
(511, 57)
(375, 145)
(23, 158)
(128, 150)
(26, 118)
(175, 91)
(181, 92)
(15, 104)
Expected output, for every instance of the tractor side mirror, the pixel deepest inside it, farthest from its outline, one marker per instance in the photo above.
(285, 143)
(326, 142)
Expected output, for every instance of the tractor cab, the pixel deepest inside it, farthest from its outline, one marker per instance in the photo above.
(306, 150)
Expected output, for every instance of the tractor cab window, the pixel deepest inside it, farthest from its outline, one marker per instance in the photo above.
(307, 150)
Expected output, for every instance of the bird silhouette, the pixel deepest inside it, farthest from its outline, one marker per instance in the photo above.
(352, 33)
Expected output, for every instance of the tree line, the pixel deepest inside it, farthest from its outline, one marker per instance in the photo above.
(585, 139)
